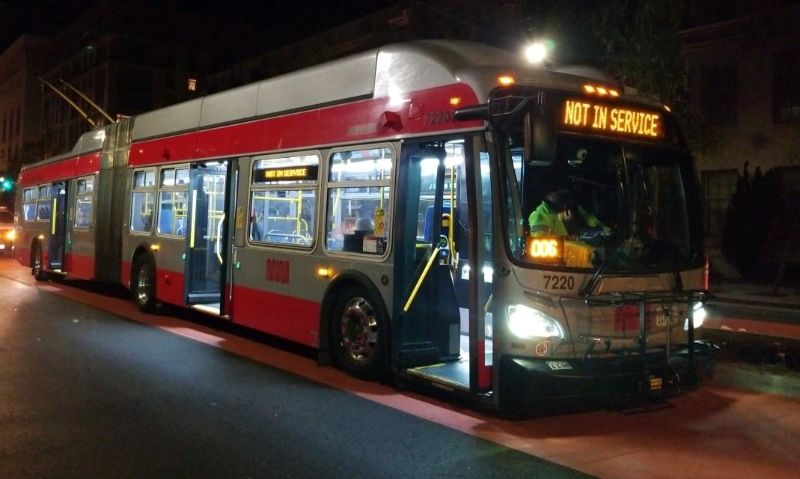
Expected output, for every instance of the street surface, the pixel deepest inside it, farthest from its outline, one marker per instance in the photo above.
(90, 387)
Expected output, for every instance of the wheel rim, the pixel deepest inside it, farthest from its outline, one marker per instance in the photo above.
(359, 330)
(143, 284)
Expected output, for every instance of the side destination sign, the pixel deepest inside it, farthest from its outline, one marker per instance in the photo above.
(291, 173)
(612, 119)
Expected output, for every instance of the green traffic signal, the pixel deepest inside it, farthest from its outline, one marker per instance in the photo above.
(7, 185)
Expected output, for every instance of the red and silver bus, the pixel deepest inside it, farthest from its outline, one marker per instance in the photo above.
(391, 209)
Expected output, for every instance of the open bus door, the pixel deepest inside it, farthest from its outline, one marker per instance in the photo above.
(207, 238)
(441, 305)
(58, 226)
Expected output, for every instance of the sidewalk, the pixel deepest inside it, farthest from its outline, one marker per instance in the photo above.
(756, 294)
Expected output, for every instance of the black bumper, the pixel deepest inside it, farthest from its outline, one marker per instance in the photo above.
(533, 382)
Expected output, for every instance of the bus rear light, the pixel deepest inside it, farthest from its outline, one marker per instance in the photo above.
(506, 80)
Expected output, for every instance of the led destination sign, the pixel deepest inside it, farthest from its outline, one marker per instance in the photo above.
(612, 119)
(290, 173)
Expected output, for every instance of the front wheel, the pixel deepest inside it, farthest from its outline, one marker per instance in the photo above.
(359, 333)
(143, 284)
(37, 263)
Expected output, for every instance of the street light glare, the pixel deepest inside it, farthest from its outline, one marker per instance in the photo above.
(536, 52)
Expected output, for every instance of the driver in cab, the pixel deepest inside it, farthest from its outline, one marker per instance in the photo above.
(560, 214)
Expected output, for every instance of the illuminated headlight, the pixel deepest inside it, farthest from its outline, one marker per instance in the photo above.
(528, 323)
(699, 316)
(11, 235)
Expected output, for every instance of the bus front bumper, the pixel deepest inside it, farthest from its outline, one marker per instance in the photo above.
(533, 382)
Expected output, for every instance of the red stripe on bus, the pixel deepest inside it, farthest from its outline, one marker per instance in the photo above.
(292, 318)
(79, 266)
(355, 122)
(68, 168)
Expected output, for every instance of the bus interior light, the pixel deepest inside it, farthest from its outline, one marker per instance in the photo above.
(529, 323)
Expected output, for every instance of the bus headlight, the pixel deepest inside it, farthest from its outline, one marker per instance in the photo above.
(11, 235)
(528, 323)
(699, 316)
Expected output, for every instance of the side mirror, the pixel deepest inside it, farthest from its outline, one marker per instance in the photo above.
(540, 139)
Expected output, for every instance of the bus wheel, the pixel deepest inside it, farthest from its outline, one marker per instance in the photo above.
(37, 268)
(144, 284)
(359, 334)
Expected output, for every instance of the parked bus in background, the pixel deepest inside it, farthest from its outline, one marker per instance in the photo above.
(379, 208)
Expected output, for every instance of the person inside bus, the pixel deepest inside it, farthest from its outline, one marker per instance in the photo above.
(560, 214)
(355, 241)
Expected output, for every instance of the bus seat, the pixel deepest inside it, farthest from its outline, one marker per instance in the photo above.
(428, 224)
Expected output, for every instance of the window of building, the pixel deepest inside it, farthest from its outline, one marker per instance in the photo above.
(719, 187)
(84, 203)
(359, 200)
(786, 95)
(283, 200)
(172, 205)
(43, 203)
(142, 199)
(719, 94)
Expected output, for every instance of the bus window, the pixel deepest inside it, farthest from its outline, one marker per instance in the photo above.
(84, 203)
(359, 200)
(29, 197)
(172, 202)
(43, 203)
(283, 200)
(142, 199)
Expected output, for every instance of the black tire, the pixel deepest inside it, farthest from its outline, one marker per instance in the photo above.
(37, 263)
(143, 283)
(359, 334)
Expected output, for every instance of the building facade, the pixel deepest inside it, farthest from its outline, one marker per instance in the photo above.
(743, 61)
(19, 103)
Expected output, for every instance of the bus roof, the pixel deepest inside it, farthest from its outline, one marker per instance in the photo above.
(382, 72)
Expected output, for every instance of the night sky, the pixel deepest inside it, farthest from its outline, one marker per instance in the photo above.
(287, 19)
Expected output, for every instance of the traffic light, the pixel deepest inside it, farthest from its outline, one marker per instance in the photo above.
(6, 184)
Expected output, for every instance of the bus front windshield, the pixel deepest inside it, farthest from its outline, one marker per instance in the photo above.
(622, 206)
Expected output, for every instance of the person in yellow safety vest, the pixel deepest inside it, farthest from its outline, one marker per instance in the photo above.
(560, 214)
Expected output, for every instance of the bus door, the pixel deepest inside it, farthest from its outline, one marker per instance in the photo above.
(438, 330)
(58, 226)
(206, 251)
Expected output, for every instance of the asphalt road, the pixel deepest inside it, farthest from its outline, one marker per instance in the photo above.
(85, 393)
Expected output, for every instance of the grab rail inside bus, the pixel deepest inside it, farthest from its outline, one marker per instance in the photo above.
(422, 277)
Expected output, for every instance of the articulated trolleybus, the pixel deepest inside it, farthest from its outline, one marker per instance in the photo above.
(437, 211)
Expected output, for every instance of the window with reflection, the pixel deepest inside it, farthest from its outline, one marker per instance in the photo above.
(172, 201)
(358, 215)
(84, 202)
(43, 206)
(29, 197)
(283, 200)
(142, 201)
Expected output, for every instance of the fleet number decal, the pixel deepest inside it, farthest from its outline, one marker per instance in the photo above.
(557, 281)
(277, 271)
